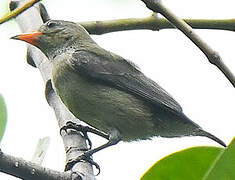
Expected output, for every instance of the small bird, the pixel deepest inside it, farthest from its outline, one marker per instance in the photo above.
(106, 91)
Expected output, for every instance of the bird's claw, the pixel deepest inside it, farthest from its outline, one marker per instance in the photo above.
(77, 127)
(69, 125)
(83, 158)
(64, 128)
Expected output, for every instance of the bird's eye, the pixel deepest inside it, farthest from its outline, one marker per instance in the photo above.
(51, 24)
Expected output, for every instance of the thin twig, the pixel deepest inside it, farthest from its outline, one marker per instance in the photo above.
(153, 23)
(17, 11)
(212, 56)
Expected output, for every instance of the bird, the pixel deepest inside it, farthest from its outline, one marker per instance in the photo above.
(107, 91)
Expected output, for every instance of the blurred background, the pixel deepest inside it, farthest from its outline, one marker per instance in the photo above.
(166, 56)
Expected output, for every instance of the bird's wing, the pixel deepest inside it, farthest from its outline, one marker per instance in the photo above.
(113, 70)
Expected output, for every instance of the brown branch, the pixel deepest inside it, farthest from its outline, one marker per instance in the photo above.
(153, 23)
(212, 56)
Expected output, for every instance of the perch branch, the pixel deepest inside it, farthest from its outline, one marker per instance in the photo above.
(26, 170)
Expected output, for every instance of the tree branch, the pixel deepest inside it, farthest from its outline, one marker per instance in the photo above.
(153, 23)
(28, 171)
(17, 11)
(212, 56)
(31, 20)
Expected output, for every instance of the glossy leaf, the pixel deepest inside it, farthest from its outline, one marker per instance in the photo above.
(192, 163)
(224, 166)
(3, 117)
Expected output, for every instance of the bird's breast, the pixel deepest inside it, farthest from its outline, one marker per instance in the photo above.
(101, 106)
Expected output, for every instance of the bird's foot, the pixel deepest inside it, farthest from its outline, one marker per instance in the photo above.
(80, 128)
(85, 157)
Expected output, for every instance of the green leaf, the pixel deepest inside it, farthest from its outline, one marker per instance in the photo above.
(224, 166)
(192, 163)
(3, 117)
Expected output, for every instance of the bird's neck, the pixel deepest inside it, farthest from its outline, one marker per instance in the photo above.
(70, 48)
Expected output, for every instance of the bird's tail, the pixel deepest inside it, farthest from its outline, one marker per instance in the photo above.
(176, 124)
(201, 132)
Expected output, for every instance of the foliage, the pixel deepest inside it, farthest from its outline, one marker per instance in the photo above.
(224, 166)
(195, 163)
(3, 117)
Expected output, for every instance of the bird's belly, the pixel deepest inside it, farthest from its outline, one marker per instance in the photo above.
(105, 108)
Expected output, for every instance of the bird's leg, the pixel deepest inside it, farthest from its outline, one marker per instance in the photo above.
(84, 130)
(114, 138)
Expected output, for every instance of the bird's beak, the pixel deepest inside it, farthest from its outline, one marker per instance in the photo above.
(30, 38)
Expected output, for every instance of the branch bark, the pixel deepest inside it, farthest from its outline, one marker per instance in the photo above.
(28, 21)
(150, 23)
(153, 23)
(212, 56)
(28, 171)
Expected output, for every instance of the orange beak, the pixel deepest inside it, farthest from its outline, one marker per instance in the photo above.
(29, 38)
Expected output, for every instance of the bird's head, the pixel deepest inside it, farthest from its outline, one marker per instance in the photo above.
(55, 36)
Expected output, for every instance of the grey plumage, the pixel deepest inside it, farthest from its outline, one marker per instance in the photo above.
(108, 92)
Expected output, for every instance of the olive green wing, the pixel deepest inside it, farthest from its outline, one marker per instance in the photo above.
(114, 71)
